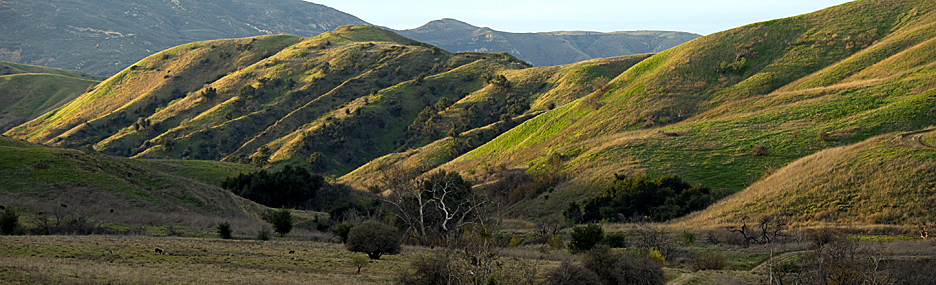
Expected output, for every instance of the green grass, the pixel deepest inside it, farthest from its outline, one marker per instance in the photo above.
(716, 120)
(37, 178)
(27, 96)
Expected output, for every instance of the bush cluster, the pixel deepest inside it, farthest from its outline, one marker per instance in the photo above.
(659, 199)
(290, 187)
(602, 265)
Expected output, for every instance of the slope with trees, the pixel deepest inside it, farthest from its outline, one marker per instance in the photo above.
(727, 109)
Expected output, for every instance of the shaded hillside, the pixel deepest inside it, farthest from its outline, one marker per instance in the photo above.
(118, 190)
(330, 103)
(104, 36)
(545, 48)
(552, 86)
(790, 87)
(26, 91)
(725, 110)
(883, 180)
(352, 95)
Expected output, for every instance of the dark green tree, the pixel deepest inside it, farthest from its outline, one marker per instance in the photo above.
(224, 230)
(341, 230)
(586, 237)
(9, 222)
(374, 239)
(282, 221)
(290, 187)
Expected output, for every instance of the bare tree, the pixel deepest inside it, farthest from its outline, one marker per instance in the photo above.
(434, 207)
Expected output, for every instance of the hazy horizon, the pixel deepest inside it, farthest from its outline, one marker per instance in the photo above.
(703, 17)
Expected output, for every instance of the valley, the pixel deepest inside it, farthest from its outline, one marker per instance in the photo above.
(745, 156)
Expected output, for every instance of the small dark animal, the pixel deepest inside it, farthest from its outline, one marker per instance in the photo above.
(2, 207)
(64, 206)
(292, 251)
(112, 211)
(159, 251)
(40, 213)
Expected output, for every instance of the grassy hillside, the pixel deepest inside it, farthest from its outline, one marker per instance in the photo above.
(350, 94)
(725, 110)
(545, 48)
(883, 180)
(330, 103)
(115, 190)
(541, 88)
(105, 36)
(27, 91)
(8, 68)
(701, 109)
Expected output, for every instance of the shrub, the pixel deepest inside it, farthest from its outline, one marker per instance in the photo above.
(585, 237)
(224, 230)
(341, 230)
(710, 260)
(9, 222)
(759, 150)
(654, 255)
(263, 234)
(359, 261)
(688, 238)
(430, 270)
(569, 274)
(556, 242)
(618, 268)
(616, 240)
(374, 239)
(282, 221)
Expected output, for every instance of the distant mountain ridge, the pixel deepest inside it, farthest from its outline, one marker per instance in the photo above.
(105, 36)
(544, 48)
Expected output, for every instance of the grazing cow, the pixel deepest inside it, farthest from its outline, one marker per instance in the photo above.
(159, 251)
(2, 207)
(112, 211)
(292, 251)
(64, 206)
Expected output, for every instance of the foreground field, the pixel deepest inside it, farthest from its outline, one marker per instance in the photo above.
(132, 260)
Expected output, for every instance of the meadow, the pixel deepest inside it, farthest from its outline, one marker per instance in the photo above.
(132, 259)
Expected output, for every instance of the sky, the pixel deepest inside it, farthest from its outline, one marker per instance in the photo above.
(697, 16)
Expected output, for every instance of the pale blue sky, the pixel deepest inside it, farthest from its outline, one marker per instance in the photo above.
(698, 16)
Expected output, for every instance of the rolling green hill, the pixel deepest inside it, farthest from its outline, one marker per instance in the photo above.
(105, 36)
(793, 86)
(116, 190)
(347, 97)
(883, 180)
(731, 111)
(26, 91)
(545, 48)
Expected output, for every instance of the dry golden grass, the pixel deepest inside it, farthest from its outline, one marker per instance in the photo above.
(132, 260)
(883, 180)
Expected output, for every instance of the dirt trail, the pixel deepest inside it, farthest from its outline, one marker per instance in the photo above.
(913, 138)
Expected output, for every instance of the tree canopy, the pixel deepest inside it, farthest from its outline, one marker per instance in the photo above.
(290, 187)
(659, 199)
